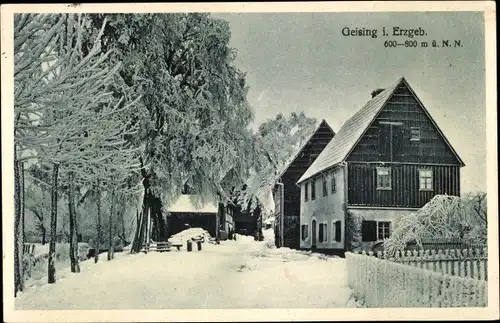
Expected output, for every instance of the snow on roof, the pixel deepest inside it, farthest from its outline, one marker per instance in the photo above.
(183, 204)
(349, 134)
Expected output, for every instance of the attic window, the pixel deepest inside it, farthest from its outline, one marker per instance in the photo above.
(383, 178)
(313, 189)
(306, 192)
(415, 134)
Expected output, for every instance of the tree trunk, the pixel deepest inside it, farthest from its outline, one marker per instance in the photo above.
(77, 233)
(22, 200)
(122, 218)
(53, 227)
(138, 228)
(44, 236)
(98, 241)
(153, 204)
(159, 224)
(142, 225)
(73, 242)
(110, 231)
(18, 248)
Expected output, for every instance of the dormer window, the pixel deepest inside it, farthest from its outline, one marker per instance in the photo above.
(415, 134)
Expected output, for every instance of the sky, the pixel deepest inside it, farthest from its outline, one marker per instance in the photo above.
(302, 62)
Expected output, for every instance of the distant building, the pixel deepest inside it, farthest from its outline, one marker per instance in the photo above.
(387, 159)
(184, 214)
(286, 193)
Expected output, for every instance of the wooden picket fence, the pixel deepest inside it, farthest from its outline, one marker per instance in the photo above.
(469, 263)
(379, 283)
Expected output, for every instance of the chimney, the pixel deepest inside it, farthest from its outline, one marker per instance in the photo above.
(376, 92)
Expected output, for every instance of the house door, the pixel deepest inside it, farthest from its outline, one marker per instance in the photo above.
(313, 234)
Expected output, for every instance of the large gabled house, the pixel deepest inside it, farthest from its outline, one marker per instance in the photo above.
(387, 159)
(286, 193)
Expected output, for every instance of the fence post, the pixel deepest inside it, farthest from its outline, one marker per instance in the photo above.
(462, 263)
(456, 265)
(482, 267)
(447, 268)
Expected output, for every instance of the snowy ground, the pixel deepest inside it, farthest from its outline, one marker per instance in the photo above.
(234, 274)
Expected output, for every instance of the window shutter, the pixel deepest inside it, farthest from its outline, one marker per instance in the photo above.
(338, 231)
(369, 230)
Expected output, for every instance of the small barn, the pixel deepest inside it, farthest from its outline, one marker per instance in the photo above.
(184, 214)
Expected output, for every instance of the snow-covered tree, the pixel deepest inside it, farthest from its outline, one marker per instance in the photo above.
(197, 113)
(277, 141)
(448, 217)
(71, 119)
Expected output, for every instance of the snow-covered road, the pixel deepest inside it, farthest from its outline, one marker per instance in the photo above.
(235, 274)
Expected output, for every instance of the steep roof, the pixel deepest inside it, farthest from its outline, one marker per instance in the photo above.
(322, 124)
(353, 129)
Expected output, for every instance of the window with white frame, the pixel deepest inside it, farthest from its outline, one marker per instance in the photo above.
(305, 231)
(333, 183)
(383, 178)
(383, 230)
(425, 179)
(325, 186)
(323, 232)
(415, 134)
(313, 189)
(336, 231)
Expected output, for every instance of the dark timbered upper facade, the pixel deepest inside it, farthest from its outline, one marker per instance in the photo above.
(404, 147)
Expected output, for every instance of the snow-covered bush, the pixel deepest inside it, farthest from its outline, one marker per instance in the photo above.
(382, 283)
(353, 232)
(446, 217)
(62, 251)
(83, 250)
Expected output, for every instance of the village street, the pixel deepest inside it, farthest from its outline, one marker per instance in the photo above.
(235, 274)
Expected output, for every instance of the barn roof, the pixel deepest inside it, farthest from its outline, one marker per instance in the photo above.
(353, 129)
(184, 204)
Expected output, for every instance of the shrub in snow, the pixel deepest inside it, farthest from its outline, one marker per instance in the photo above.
(83, 250)
(353, 231)
(62, 251)
(447, 217)
(382, 283)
